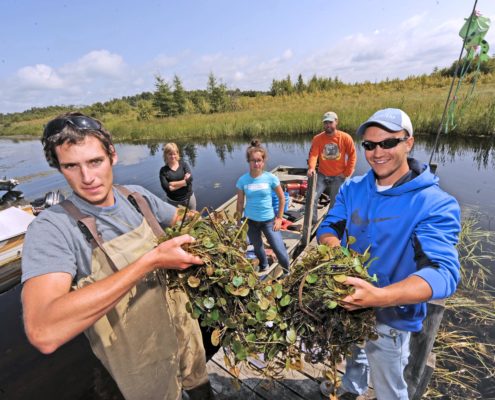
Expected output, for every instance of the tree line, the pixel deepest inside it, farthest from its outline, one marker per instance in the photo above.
(170, 99)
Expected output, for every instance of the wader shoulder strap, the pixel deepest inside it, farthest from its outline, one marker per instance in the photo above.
(140, 203)
(87, 225)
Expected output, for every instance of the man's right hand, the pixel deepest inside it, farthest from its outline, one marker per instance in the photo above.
(171, 255)
(311, 172)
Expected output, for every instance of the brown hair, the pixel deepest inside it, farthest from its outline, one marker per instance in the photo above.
(169, 148)
(256, 147)
(72, 135)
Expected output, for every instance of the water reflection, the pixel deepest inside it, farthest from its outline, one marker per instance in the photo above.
(482, 150)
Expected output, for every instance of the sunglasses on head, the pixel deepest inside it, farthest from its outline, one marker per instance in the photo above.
(384, 144)
(78, 121)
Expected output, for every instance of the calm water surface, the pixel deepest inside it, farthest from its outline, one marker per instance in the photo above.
(465, 167)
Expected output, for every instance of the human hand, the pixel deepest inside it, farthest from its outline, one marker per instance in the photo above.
(171, 255)
(329, 240)
(277, 224)
(238, 217)
(365, 295)
(311, 172)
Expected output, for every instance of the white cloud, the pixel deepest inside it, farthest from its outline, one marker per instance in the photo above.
(97, 63)
(412, 22)
(163, 61)
(239, 76)
(39, 77)
(287, 55)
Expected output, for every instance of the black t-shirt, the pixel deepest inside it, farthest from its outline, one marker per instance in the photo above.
(168, 175)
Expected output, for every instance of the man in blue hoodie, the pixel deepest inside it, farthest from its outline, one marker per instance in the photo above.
(411, 226)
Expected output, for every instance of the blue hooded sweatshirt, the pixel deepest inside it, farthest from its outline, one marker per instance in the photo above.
(411, 228)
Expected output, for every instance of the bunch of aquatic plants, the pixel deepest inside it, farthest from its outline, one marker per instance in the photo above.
(325, 329)
(226, 294)
(277, 321)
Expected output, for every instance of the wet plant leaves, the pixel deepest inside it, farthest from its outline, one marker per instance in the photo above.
(193, 281)
(237, 281)
(264, 303)
(339, 278)
(291, 335)
(209, 302)
(215, 337)
(285, 300)
(251, 337)
(332, 304)
(346, 252)
(311, 278)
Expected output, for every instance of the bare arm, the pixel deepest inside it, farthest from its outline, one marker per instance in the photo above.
(174, 185)
(312, 157)
(53, 314)
(411, 290)
(281, 201)
(240, 204)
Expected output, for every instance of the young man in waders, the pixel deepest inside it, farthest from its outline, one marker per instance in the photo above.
(411, 228)
(91, 264)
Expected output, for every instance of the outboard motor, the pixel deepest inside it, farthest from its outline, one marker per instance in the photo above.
(12, 195)
(50, 199)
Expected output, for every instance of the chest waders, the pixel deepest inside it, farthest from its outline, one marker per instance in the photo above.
(148, 342)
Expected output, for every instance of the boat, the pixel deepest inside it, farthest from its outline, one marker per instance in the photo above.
(297, 228)
(10, 195)
(13, 225)
(15, 217)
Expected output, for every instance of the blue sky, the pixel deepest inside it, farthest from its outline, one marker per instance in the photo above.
(78, 52)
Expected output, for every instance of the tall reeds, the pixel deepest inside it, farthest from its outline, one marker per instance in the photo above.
(464, 345)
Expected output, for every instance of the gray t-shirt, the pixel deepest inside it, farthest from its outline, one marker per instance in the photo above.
(54, 242)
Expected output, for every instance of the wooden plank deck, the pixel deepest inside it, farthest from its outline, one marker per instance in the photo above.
(294, 385)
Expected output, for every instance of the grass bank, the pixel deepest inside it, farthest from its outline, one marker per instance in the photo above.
(265, 116)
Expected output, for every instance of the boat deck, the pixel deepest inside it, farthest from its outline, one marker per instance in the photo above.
(251, 385)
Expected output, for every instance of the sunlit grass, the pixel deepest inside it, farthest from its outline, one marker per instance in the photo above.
(423, 98)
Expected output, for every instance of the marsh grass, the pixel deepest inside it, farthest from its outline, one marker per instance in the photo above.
(423, 98)
(465, 342)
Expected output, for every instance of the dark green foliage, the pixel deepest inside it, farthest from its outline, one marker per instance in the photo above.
(467, 67)
(217, 95)
(163, 98)
(179, 96)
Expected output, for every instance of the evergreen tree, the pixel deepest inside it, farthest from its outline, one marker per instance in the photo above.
(163, 98)
(179, 96)
(217, 94)
(300, 86)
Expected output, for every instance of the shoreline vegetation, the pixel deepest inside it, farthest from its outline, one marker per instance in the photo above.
(285, 110)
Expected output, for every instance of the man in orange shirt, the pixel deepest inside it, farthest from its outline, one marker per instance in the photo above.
(336, 156)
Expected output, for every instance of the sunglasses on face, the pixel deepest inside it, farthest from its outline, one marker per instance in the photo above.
(78, 121)
(384, 144)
